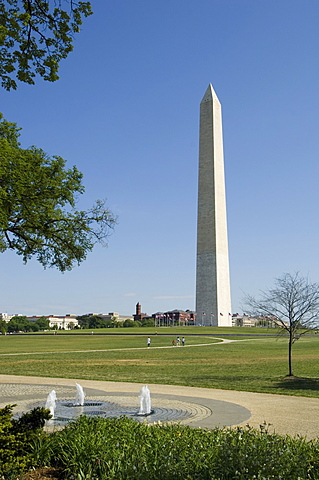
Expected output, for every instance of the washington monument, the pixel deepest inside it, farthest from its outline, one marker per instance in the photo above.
(213, 305)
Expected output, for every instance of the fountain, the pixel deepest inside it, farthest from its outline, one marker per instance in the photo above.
(64, 411)
(80, 395)
(50, 404)
(115, 404)
(145, 401)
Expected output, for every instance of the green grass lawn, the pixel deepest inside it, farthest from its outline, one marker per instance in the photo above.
(251, 363)
(50, 342)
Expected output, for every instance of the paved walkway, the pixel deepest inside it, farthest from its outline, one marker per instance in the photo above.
(210, 407)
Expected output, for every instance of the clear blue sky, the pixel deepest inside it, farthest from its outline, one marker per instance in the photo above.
(126, 112)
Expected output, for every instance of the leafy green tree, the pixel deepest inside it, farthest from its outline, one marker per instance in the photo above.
(37, 206)
(3, 327)
(35, 35)
(96, 322)
(18, 324)
(148, 322)
(293, 306)
(83, 320)
(33, 327)
(43, 323)
(108, 323)
(89, 321)
(129, 323)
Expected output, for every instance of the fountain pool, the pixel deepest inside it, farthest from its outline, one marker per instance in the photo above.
(115, 400)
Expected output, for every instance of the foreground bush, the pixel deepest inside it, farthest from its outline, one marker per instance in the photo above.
(16, 437)
(123, 449)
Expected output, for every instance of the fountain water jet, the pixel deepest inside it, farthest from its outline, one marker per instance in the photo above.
(80, 395)
(145, 401)
(50, 404)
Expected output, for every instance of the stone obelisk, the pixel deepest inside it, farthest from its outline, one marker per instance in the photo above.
(213, 304)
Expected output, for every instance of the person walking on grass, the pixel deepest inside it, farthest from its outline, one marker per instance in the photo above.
(148, 341)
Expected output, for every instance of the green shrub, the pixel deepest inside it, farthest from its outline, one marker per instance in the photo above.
(249, 454)
(107, 449)
(16, 438)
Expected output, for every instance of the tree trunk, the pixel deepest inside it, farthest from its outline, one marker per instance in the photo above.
(290, 356)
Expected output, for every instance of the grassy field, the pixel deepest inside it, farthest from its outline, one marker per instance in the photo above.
(252, 362)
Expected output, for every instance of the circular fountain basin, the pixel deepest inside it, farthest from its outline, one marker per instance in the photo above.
(85, 404)
(193, 411)
(66, 411)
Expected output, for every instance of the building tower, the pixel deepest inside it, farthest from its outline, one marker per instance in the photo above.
(213, 305)
(138, 312)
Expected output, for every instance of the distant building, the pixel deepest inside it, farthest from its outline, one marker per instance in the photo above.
(5, 317)
(115, 316)
(252, 321)
(138, 316)
(174, 317)
(68, 322)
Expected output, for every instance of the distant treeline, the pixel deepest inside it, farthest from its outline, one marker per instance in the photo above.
(21, 323)
(95, 321)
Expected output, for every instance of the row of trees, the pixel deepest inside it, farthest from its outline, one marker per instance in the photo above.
(292, 305)
(23, 324)
(95, 321)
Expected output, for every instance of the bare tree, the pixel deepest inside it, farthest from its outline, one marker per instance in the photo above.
(293, 306)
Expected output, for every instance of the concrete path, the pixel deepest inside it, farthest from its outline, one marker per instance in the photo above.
(210, 407)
